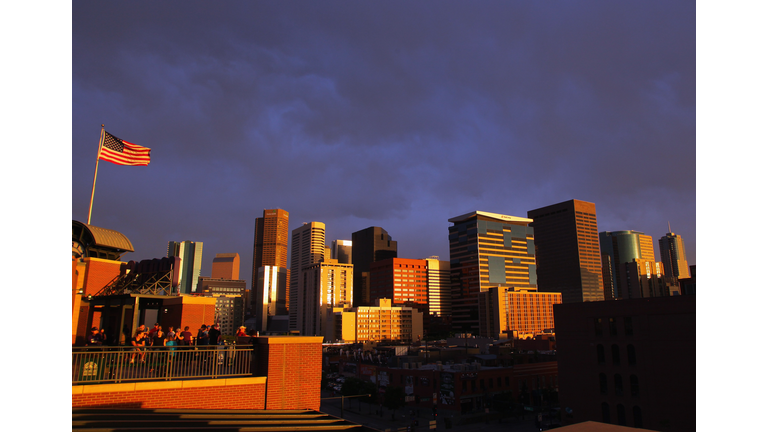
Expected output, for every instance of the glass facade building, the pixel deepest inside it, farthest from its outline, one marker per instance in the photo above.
(672, 252)
(191, 254)
(487, 250)
(618, 248)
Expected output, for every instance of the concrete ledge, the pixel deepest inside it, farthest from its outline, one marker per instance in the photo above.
(245, 381)
(159, 385)
(108, 388)
(290, 339)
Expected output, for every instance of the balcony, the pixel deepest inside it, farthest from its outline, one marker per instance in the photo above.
(119, 364)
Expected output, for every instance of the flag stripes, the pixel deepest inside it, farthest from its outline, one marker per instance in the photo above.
(120, 152)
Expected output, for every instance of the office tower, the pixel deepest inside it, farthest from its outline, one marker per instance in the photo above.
(516, 312)
(191, 254)
(487, 250)
(439, 286)
(322, 287)
(268, 296)
(341, 251)
(226, 266)
(307, 248)
(270, 242)
(404, 281)
(230, 301)
(568, 251)
(621, 247)
(369, 245)
(643, 278)
(672, 252)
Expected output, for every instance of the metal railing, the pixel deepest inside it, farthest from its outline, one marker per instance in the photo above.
(116, 364)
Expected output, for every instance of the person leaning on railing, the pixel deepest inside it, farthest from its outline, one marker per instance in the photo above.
(95, 338)
(139, 342)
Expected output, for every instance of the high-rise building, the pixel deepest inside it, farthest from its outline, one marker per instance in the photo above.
(230, 301)
(643, 278)
(191, 254)
(487, 250)
(307, 248)
(439, 286)
(341, 251)
(322, 287)
(369, 245)
(402, 280)
(226, 266)
(269, 296)
(270, 242)
(672, 252)
(618, 248)
(568, 251)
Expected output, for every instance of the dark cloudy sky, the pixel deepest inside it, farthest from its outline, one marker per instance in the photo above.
(393, 114)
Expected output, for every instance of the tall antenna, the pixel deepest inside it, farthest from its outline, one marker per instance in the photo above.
(669, 227)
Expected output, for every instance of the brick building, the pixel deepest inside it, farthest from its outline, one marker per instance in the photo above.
(629, 362)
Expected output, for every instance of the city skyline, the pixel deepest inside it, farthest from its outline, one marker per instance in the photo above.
(394, 130)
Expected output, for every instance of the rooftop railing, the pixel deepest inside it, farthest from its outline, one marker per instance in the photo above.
(117, 364)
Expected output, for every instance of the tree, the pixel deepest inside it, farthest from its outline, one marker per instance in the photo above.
(394, 398)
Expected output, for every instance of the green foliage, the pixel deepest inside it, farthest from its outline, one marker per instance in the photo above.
(351, 387)
(394, 398)
(367, 387)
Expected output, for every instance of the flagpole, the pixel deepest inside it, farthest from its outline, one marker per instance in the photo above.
(93, 188)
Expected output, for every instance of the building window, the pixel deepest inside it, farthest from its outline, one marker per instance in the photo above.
(616, 355)
(628, 330)
(631, 359)
(598, 326)
(620, 416)
(638, 416)
(612, 326)
(634, 385)
(606, 413)
(618, 385)
(603, 384)
(600, 354)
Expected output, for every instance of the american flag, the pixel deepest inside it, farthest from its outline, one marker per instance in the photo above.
(122, 152)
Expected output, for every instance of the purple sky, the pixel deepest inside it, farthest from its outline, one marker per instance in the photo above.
(393, 114)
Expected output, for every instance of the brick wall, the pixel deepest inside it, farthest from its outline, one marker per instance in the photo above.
(232, 393)
(293, 367)
(99, 272)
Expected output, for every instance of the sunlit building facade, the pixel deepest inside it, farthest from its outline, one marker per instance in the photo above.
(322, 287)
(439, 286)
(368, 246)
(568, 251)
(307, 248)
(191, 254)
(402, 280)
(672, 250)
(226, 266)
(383, 322)
(487, 250)
(618, 248)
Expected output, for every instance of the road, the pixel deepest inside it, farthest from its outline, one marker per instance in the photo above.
(366, 415)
